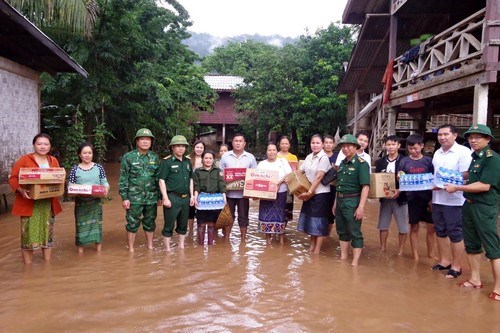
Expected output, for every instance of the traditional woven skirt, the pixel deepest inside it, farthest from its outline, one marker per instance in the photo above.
(37, 229)
(272, 215)
(88, 217)
(314, 215)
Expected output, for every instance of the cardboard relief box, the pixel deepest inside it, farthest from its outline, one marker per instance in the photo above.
(235, 178)
(297, 182)
(87, 190)
(262, 184)
(44, 191)
(42, 176)
(382, 185)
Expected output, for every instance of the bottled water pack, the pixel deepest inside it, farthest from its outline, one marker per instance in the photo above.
(448, 176)
(210, 201)
(416, 181)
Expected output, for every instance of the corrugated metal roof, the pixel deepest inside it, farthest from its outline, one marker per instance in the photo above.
(223, 82)
(355, 10)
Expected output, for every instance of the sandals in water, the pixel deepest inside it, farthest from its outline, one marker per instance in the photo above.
(453, 274)
(494, 296)
(469, 284)
(439, 267)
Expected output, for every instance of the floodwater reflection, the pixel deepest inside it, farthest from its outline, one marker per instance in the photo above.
(231, 286)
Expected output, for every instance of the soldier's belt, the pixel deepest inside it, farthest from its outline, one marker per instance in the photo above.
(347, 195)
(180, 195)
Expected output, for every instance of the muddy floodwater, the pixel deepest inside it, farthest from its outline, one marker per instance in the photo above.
(231, 286)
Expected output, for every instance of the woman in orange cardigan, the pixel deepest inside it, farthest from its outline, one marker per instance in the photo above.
(37, 216)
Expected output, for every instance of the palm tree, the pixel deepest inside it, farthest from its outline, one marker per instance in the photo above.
(60, 17)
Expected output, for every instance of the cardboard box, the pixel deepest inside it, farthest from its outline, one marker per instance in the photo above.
(42, 176)
(87, 190)
(297, 182)
(262, 184)
(44, 191)
(235, 178)
(382, 185)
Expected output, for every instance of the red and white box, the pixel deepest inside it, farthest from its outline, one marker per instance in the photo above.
(235, 178)
(42, 176)
(87, 190)
(262, 184)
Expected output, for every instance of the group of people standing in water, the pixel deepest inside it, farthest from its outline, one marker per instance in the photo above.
(178, 181)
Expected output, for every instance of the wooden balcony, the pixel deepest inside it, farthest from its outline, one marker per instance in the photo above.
(449, 61)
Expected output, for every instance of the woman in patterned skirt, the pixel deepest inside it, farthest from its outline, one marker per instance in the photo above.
(88, 210)
(316, 206)
(272, 219)
(37, 216)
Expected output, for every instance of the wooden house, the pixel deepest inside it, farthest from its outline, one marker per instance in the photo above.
(439, 60)
(223, 120)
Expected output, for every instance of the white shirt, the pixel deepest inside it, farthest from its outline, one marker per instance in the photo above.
(363, 155)
(458, 157)
(312, 164)
(281, 165)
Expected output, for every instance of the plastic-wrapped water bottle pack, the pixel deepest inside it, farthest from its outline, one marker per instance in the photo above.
(416, 182)
(210, 201)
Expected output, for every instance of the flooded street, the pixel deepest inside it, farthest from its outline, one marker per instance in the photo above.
(231, 287)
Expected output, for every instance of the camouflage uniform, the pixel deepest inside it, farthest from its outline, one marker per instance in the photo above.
(139, 184)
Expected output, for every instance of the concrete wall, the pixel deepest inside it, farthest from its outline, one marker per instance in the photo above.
(19, 112)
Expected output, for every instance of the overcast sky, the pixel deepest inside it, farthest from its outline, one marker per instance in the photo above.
(288, 18)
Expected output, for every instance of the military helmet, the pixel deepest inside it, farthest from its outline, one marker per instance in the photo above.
(479, 129)
(349, 138)
(144, 132)
(179, 140)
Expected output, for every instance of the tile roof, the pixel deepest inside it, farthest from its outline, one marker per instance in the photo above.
(223, 82)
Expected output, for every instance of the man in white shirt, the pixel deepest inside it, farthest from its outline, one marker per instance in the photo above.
(363, 140)
(238, 158)
(447, 207)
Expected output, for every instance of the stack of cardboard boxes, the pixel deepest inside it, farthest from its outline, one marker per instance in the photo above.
(43, 183)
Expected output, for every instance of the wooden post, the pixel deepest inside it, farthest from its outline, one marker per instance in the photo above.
(224, 133)
(391, 121)
(393, 32)
(356, 110)
(480, 108)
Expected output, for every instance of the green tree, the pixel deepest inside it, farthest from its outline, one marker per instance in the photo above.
(237, 58)
(60, 17)
(291, 90)
(140, 74)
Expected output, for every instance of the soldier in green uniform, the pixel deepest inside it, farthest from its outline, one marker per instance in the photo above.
(176, 187)
(353, 185)
(480, 211)
(138, 187)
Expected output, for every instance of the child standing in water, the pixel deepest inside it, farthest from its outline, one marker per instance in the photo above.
(207, 179)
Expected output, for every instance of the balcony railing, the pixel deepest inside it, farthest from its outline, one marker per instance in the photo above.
(459, 46)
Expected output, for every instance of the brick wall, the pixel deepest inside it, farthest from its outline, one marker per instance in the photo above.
(19, 113)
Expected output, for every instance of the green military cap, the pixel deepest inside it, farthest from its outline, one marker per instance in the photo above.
(179, 140)
(479, 129)
(349, 138)
(144, 132)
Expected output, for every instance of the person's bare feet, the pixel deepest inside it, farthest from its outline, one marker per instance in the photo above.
(80, 249)
(98, 247)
